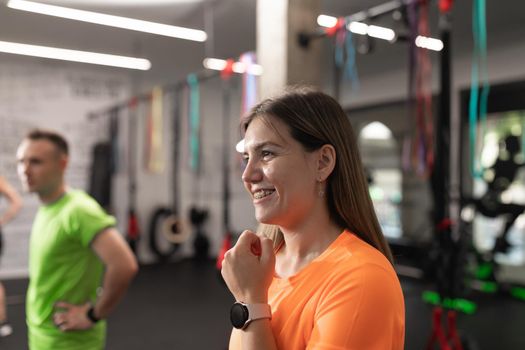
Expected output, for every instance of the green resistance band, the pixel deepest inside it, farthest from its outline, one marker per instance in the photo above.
(194, 116)
(477, 99)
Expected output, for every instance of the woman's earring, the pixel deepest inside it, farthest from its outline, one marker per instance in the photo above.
(321, 189)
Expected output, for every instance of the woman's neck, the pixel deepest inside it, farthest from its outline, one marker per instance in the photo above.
(305, 242)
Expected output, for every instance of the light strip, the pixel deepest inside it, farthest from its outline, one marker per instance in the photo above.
(429, 43)
(238, 67)
(116, 3)
(109, 20)
(75, 55)
(326, 21)
(379, 32)
(214, 63)
(358, 28)
(371, 30)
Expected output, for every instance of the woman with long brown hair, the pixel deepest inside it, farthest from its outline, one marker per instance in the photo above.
(319, 272)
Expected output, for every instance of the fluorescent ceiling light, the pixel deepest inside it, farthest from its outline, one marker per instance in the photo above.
(75, 55)
(429, 43)
(326, 21)
(379, 32)
(371, 30)
(358, 28)
(238, 67)
(109, 20)
(214, 63)
(137, 3)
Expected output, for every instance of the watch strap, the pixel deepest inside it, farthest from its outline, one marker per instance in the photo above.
(91, 315)
(258, 311)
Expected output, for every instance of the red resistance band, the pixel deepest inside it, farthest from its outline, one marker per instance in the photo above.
(149, 132)
(226, 245)
(133, 226)
(445, 224)
(445, 5)
(227, 71)
(339, 25)
(423, 152)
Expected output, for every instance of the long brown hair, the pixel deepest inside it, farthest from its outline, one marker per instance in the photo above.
(316, 119)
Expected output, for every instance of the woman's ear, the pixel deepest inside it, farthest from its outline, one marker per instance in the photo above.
(326, 162)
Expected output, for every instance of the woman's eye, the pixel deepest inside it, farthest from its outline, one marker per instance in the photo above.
(266, 154)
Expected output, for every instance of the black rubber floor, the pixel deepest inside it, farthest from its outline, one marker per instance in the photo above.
(184, 306)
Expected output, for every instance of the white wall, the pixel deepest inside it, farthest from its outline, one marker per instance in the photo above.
(57, 96)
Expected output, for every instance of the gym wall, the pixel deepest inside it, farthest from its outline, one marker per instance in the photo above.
(49, 95)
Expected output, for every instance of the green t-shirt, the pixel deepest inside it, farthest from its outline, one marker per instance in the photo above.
(63, 267)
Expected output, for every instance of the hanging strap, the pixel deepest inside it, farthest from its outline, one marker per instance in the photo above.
(249, 83)
(411, 139)
(194, 122)
(227, 71)
(155, 155)
(478, 100)
(175, 166)
(114, 140)
(418, 148)
(522, 117)
(345, 54)
(226, 111)
(425, 140)
(331, 31)
(133, 229)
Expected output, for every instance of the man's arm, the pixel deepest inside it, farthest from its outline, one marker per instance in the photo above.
(15, 202)
(121, 267)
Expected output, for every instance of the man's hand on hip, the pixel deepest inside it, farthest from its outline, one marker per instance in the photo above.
(73, 317)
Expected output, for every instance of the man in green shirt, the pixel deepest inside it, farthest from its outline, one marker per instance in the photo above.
(74, 250)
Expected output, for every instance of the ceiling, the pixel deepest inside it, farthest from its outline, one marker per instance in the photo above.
(232, 28)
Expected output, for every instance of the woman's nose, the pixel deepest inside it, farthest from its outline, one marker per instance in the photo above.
(252, 172)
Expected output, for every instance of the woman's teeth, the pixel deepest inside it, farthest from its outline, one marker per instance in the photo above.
(262, 193)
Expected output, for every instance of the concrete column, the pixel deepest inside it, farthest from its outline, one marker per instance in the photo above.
(284, 62)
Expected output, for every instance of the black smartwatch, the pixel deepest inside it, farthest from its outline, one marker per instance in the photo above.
(242, 314)
(91, 315)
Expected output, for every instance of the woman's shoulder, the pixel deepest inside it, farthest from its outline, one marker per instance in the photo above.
(351, 256)
(357, 267)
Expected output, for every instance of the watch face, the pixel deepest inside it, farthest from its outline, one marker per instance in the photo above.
(238, 315)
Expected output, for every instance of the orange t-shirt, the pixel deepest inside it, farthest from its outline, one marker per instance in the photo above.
(347, 298)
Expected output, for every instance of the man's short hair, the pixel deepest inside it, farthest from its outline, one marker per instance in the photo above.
(54, 137)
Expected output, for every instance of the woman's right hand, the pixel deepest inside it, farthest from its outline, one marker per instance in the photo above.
(248, 268)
